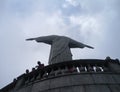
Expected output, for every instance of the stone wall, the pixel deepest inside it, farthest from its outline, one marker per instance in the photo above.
(73, 76)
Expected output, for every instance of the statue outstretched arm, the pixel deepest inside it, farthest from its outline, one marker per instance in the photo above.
(75, 44)
(44, 39)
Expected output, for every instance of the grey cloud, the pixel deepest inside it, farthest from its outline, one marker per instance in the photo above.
(42, 17)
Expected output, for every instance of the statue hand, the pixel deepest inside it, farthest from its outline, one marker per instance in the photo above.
(89, 47)
(30, 39)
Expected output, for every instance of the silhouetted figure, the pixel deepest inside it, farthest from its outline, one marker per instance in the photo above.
(27, 71)
(39, 66)
(33, 69)
(60, 47)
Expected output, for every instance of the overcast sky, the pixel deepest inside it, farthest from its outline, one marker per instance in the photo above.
(93, 22)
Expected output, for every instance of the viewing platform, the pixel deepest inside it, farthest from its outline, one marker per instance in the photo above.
(84, 75)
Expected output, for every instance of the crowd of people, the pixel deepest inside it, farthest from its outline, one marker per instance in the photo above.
(39, 66)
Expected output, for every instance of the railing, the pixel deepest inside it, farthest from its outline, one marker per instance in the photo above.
(71, 67)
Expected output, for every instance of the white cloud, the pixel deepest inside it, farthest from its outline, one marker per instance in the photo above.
(72, 2)
(43, 24)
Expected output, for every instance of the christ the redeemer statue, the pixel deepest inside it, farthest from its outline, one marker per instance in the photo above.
(60, 47)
